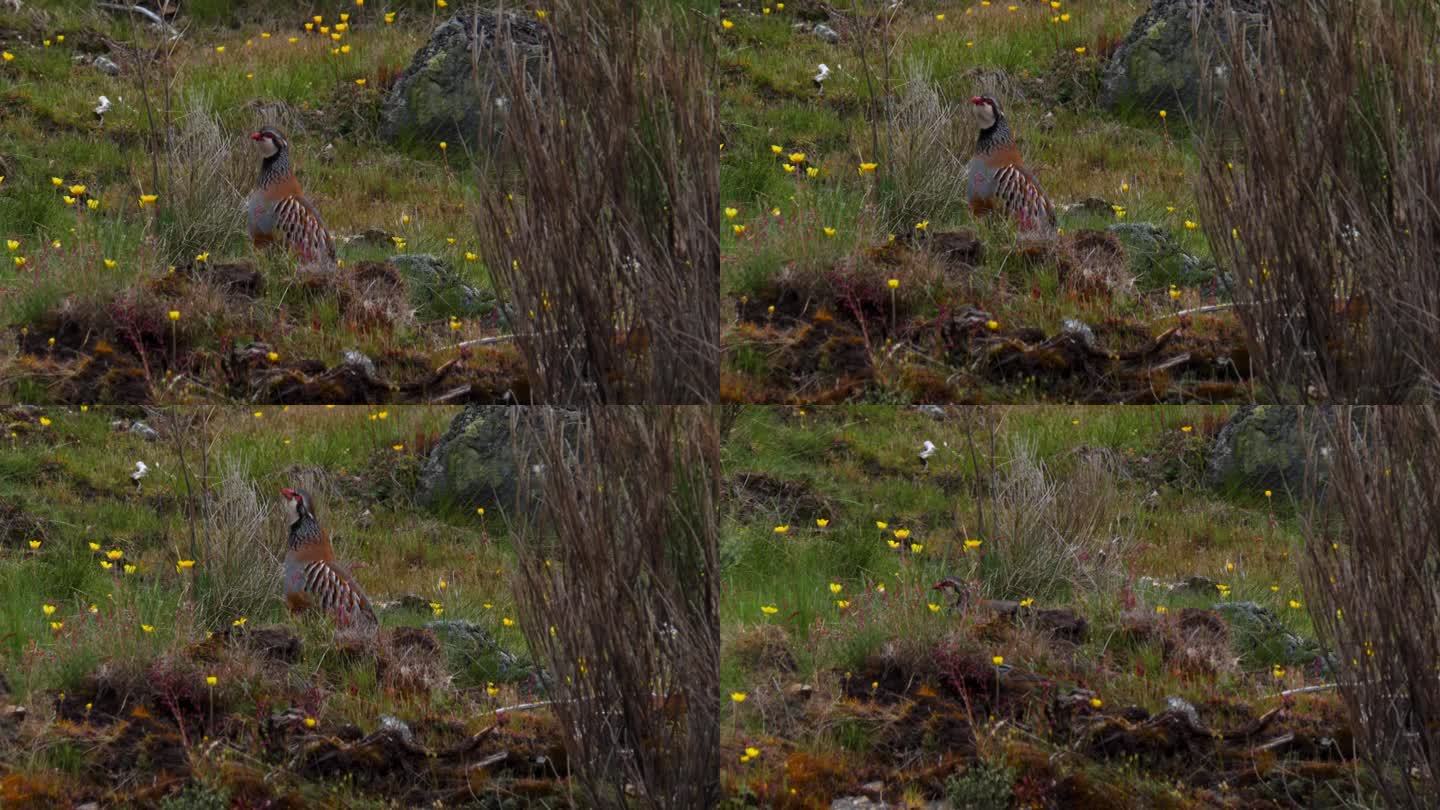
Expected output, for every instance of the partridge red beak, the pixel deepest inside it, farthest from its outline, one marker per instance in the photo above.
(287, 492)
(976, 100)
(255, 136)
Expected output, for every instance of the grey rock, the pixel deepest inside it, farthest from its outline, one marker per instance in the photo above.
(1263, 447)
(360, 362)
(1156, 65)
(106, 66)
(1195, 584)
(474, 642)
(461, 629)
(1143, 235)
(411, 601)
(1194, 265)
(1256, 627)
(439, 98)
(1078, 330)
(398, 727)
(437, 286)
(826, 33)
(373, 237)
(1183, 707)
(856, 803)
(1090, 205)
(932, 411)
(144, 431)
(474, 463)
(1153, 250)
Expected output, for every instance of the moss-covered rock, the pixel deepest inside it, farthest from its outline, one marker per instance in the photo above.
(1265, 447)
(474, 463)
(1158, 65)
(444, 95)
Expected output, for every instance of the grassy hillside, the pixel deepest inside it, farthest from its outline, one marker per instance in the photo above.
(110, 634)
(853, 269)
(88, 285)
(846, 668)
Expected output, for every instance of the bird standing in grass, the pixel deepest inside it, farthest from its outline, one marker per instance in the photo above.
(998, 177)
(278, 209)
(140, 472)
(819, 78)
(962, 594)
(314, 578)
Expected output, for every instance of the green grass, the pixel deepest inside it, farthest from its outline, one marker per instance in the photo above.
(1140, 163)
(139, 628)
(853, 466)
(417, 193)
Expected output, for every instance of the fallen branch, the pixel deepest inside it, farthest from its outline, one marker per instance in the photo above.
(485, 341)
(1305, 690)
(1195, 311)
(523, 707)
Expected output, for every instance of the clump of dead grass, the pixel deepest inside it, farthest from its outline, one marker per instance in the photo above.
(1320, 192)
(1055, 534)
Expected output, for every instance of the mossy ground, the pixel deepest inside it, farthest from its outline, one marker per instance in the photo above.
(853, 670)
(806, 255)
(118, 706)
(113, 272)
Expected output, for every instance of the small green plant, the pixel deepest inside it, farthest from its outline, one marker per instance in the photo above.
(983, 786)
(197, 797)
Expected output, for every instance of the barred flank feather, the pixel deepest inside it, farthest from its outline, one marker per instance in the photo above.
(1022, 198)
(302, 230)
(338, 594)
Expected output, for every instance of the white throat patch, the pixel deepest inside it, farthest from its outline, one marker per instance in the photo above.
(266, 147)
(986, 114)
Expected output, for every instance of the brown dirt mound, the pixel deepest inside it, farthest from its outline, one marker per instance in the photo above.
(1094, 264)
(275, 643)
(764, 648)
(1193, 640)
(820, 341)
(18, 526)
(369, 293)
(756, 491)
(410, 661)
(394, 762)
